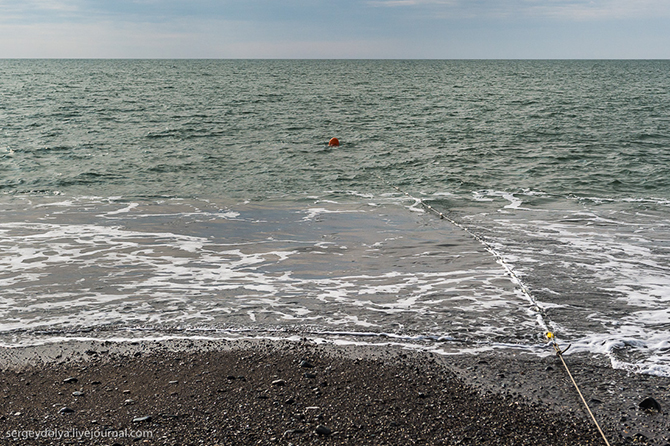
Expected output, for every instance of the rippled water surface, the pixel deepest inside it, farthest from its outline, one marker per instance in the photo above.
(200, 198)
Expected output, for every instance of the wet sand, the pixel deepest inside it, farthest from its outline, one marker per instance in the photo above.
(281, 393)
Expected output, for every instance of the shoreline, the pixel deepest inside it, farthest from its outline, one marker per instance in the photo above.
(279, 392)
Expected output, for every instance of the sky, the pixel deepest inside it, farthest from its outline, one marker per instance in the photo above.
(342, 29)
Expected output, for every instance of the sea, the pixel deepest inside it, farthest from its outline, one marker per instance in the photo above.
(159, 199)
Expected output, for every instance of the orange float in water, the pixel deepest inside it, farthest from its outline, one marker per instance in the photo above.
(334, 142)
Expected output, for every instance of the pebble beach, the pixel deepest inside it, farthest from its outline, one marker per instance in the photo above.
(258, 392)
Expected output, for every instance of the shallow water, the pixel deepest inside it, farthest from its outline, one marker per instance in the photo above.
(144, 198)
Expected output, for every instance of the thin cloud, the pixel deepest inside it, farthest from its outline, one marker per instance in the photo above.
(603, 9)
(395, 3)
(557, 9)
(37, 6)
(30, 11)
(157, 11)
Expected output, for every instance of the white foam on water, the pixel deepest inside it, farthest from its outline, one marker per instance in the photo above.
(168, 278)
(600, 200)
(129, 208)
(623, 348)
(480, 196)
(346, 268)
(615, 260)
(360, 194)
(416, 206)
(514, 202)
(314, 213)
(326, 201)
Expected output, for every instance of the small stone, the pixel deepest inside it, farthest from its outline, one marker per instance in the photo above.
(650, 404)
(309, 375)
(128, 402)
(323, 430)
(173, 382)
(77, 393)
(69, 380)
(126, 391)
(65, 410)
(278, 382)
(17, 414)
(306, 364)
(141, 419)
(289, 401)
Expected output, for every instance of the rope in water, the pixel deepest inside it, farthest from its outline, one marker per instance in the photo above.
(499, 258)
(521, 286)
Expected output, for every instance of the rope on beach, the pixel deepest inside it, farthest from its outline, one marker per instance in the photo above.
(499, 258)
(559, 353)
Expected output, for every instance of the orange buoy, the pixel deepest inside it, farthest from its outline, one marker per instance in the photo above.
(334, 142)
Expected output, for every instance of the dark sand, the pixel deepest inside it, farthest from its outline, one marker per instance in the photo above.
(281, 393)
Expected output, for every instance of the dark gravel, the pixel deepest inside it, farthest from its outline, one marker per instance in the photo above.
(262, 395)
